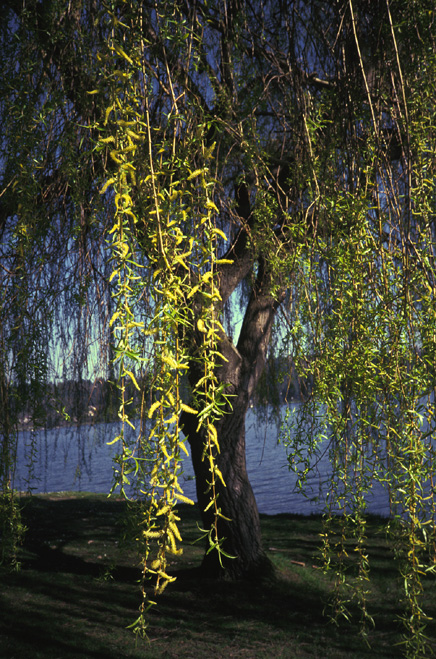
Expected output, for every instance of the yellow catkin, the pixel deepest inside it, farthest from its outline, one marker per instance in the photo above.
(153, 408)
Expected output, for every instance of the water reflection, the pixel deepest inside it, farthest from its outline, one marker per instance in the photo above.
(79, 459)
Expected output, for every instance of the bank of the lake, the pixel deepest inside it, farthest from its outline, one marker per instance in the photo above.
(77, 592)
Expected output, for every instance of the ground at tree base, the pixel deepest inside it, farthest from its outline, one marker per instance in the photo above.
(76, 593)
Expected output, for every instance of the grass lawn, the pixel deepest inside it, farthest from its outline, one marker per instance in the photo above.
(76, 593)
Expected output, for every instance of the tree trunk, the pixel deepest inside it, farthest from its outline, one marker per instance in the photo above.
(236, 501)
(240, 370)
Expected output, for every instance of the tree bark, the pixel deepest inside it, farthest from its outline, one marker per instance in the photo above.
(236, 501)
(240, 370)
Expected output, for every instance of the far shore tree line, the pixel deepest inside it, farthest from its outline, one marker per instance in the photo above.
(97, 401)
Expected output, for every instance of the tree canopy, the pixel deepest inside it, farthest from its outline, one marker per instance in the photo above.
(190, 189)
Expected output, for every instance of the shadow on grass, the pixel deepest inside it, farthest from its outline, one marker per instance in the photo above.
(76, 593)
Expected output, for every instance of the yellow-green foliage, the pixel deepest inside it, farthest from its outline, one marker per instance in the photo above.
(365, 337)
(153, 191)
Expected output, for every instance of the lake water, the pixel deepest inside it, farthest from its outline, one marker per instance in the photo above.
(79, 459)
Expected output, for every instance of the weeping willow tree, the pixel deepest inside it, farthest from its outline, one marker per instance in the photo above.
(189, 188)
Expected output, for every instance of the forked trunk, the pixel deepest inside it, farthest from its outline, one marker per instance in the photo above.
(239, 370)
